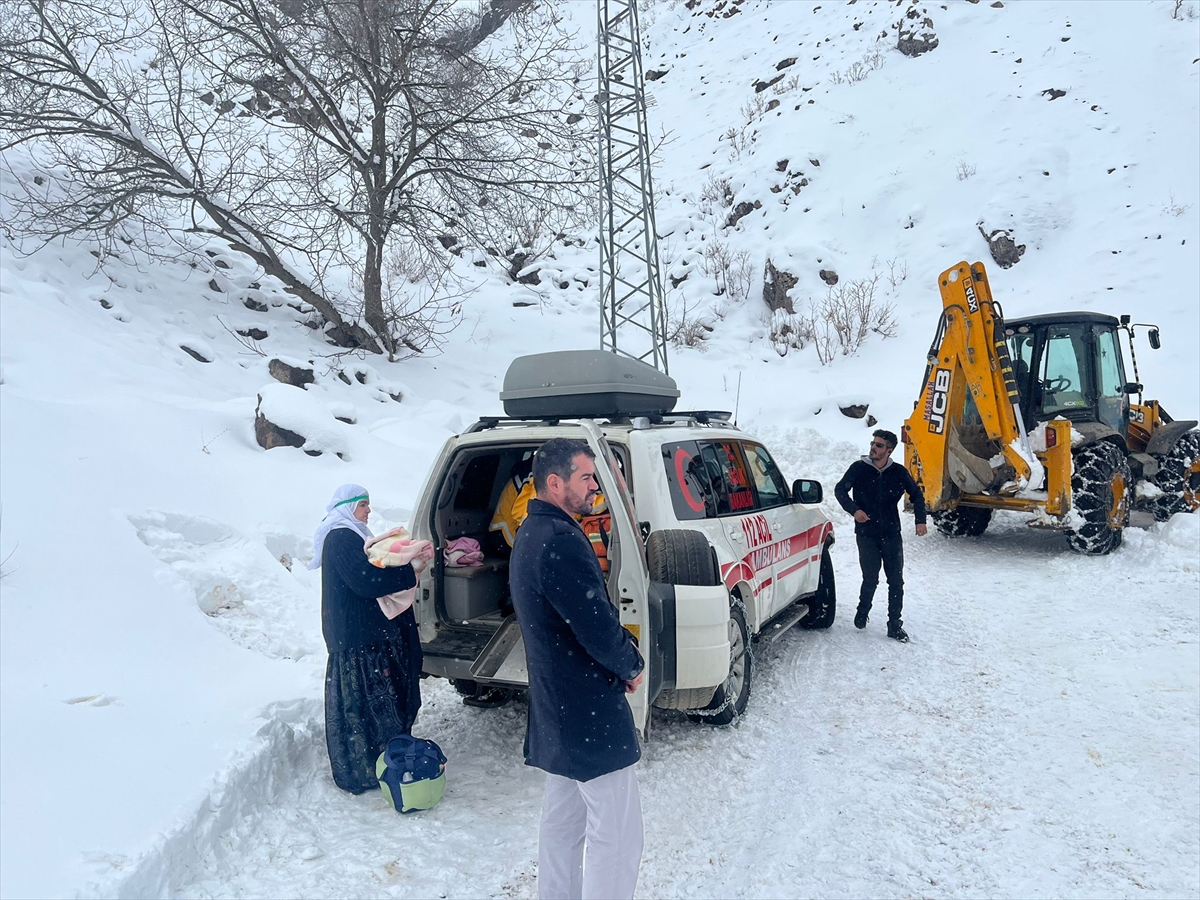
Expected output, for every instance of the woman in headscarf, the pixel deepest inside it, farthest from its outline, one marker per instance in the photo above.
(372, 689)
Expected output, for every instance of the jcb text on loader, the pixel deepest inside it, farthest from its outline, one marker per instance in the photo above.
(1035, 415)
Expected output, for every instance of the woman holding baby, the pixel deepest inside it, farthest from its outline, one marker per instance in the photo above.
(372, 679)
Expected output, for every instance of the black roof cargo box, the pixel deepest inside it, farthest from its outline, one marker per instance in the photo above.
(585, 384)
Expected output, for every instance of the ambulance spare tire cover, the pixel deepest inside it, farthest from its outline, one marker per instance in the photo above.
(678, 556)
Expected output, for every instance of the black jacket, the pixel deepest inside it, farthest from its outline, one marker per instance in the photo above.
(350, 585)
(579, 657)
(877, 493)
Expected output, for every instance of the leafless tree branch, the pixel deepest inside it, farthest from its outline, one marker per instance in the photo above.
(321, 138)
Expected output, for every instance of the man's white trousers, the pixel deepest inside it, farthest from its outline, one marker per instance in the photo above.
(605, 814)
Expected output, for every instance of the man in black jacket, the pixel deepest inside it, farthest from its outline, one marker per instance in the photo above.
(877, 484)
(581, 664)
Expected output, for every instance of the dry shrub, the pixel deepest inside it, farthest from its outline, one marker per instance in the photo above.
(839, 323)
(732, 270)
(685, 327)
(739, 276)
(717, 191)
(855, 311)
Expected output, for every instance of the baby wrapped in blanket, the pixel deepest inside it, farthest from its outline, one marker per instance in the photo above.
(397, 548)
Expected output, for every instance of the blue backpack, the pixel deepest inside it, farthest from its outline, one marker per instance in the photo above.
(411, 773)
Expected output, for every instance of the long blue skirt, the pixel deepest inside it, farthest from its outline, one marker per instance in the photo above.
(372, 694)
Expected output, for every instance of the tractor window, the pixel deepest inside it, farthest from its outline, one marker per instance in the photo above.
(1020, 349)
(1113, 408)
(1063, 388)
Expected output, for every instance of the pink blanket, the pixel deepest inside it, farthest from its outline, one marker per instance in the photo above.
(463, 551)
(396, 548)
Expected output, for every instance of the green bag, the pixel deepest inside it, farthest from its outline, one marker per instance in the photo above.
(411, 773)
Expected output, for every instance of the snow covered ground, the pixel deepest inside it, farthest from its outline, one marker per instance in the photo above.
(1034, 741)
(161, 670)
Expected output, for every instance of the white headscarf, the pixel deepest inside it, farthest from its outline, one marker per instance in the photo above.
(340, 514)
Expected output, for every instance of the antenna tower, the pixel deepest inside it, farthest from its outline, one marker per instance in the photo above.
(632, 307)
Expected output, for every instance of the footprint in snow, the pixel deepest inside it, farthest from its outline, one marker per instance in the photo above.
(250, 588)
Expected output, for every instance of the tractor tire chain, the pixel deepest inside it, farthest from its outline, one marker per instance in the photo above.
(1176, 478)
(1097, 466)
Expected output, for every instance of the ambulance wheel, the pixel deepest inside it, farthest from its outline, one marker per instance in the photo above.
(479, 695)
(731, 698)
(1100, 489)
(823, 604)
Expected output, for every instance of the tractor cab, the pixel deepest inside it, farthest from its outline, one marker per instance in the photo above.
(1069, 365)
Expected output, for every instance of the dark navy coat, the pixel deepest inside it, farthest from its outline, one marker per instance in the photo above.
(579, 657)
(350, 617)
(877, 493)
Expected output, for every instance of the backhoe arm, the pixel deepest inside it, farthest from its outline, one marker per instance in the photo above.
(969, 401)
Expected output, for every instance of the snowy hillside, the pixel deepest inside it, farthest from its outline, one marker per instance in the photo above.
(161, 661)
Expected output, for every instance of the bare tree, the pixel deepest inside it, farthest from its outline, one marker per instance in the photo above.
(341, 144)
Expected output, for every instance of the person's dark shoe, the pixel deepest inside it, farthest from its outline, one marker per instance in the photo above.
(896, 633)
(860, 619)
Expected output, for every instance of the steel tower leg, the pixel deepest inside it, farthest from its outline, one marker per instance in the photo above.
(632, 306)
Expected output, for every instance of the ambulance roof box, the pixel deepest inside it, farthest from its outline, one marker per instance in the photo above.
(572, 384)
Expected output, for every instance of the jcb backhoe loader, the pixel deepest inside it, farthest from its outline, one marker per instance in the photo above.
(1088, 453)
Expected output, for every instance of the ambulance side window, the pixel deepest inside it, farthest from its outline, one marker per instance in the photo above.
(727, 474)
(691, 491)
(768, 480)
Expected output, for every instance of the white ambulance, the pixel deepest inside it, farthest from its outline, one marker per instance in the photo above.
(708, 546)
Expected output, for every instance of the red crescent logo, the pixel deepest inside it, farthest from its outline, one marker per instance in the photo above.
(682, 457)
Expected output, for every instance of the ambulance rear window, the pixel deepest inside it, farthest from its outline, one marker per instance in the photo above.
(691, 495)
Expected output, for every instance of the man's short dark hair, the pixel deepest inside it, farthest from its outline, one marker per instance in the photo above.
(556, 456)
(888, 436)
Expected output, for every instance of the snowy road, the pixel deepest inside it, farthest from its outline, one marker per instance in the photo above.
(1035, 739)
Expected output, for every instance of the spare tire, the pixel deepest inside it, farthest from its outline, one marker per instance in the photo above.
(678, 556)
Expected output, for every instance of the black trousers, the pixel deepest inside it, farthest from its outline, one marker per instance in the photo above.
(886, 548)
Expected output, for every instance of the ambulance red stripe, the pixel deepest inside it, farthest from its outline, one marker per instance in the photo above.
(743, 570)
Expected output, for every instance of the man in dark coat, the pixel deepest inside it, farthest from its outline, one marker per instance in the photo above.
(870, 491)
(581, 664)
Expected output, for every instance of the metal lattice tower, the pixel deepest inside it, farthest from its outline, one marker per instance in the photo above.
(632, 306)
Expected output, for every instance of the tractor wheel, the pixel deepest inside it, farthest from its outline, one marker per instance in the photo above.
(823, 604)
(962, 521)
(731, 698)
(1100, 488)
(1178, 478)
